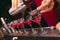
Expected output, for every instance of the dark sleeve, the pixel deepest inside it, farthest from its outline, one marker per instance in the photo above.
(56, 4)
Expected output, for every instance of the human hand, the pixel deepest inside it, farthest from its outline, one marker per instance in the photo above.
(15, 5)
(46, 6)
(32, 13)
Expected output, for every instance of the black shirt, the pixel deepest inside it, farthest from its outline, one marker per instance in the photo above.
(55, 4)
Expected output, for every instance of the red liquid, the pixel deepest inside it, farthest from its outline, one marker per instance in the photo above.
(21, 24)
(37, 20)
(28, 21)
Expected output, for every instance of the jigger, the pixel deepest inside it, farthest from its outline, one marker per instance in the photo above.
(20, 8)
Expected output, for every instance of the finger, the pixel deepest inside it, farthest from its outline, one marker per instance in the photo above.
(14, 3)
(44, 4)
(46, 10)
(19, 1)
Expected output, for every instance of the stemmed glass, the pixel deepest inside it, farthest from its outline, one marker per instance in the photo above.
(28, 22)
(36, 17)
(22, 26)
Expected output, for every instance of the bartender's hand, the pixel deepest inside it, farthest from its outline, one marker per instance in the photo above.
(46, 6)
(15, 4)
